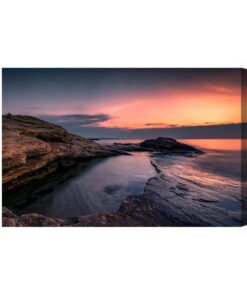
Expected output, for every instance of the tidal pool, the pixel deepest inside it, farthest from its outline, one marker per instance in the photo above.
(99, 187)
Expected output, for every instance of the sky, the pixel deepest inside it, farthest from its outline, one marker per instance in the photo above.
(129, 103)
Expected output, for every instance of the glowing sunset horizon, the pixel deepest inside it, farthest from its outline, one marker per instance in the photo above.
(107, 102)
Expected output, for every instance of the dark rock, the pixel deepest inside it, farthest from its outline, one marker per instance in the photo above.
(37, 220)
(9, 219)
(168, 145)
(161, 145)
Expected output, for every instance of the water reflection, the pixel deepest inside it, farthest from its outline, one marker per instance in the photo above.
(209, 184)
(100, 187)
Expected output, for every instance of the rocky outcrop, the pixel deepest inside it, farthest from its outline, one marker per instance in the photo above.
(168, 145)
(9, 219)
(33, 148)
(161, 145)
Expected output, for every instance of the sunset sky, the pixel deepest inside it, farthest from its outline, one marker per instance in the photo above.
(129, 102)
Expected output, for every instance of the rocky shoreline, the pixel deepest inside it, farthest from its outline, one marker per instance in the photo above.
(134, 211)
(33, 149)
(159, 205)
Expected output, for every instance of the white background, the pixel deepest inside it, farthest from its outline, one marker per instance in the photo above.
(122, 261)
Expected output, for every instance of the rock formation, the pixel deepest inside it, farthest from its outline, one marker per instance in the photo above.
(161, 145)
(168, 145)
(33, 148)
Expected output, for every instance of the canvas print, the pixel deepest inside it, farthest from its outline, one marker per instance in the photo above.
(123, 147)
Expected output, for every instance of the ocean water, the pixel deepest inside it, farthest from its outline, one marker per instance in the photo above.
(207, 187)
(211, 181)
(222, 156)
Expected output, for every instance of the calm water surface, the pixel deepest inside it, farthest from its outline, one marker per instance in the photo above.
(99, 187)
